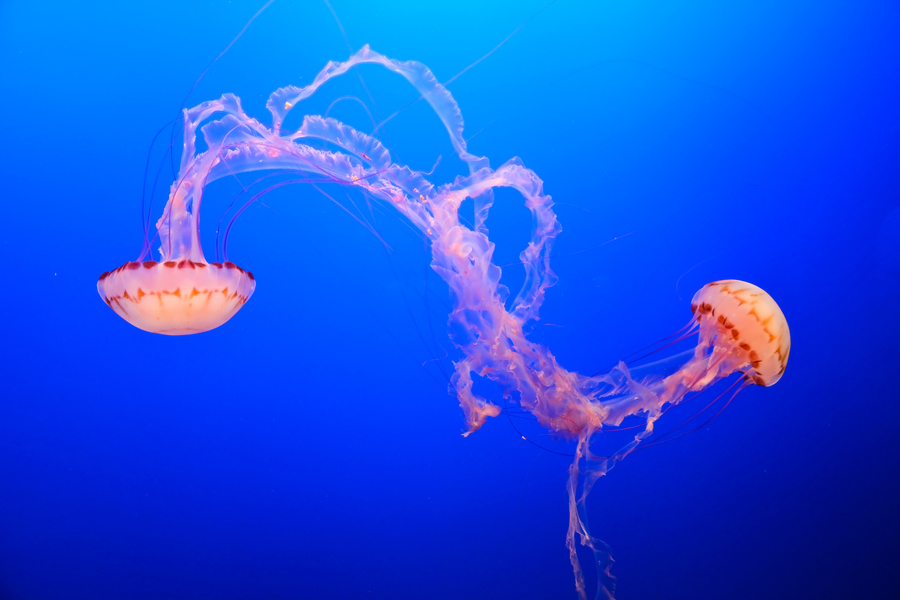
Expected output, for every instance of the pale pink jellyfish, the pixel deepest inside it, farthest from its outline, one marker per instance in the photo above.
(741, 329)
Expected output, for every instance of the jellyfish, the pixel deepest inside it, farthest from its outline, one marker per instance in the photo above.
(740, 329)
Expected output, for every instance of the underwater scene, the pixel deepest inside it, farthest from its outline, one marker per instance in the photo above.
(333, 299)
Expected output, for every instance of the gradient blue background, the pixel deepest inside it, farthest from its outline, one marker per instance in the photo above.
(303, 451)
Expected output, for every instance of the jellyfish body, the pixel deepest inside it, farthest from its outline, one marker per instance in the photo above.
(176, 298)
(753, 333)
(183, 294)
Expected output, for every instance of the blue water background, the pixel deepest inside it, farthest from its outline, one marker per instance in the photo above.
(303, 450)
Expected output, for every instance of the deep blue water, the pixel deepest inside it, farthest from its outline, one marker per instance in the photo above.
(303, 450)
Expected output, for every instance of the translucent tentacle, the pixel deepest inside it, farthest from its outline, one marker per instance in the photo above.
(283, 100)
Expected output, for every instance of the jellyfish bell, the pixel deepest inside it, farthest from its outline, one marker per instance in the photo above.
(745, 329)
(176, 297)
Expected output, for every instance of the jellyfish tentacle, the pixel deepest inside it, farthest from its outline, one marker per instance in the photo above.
(333, 131)
(423, 80)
